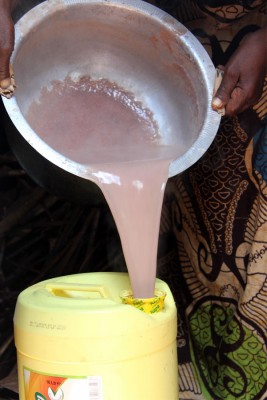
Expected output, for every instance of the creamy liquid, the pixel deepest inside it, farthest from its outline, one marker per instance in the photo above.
(98, 124)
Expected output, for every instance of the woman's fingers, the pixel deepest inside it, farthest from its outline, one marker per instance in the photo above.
(244, 74)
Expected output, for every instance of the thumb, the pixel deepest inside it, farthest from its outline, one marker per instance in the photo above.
(4, 70)
(223, 94)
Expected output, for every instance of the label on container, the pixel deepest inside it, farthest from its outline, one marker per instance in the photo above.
(39, 386)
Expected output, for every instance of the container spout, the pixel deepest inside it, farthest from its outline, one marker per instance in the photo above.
(148, 305)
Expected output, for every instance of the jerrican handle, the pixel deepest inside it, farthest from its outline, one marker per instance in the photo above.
(59, 288)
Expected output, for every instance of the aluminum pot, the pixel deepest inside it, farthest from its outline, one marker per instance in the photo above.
(135, 45)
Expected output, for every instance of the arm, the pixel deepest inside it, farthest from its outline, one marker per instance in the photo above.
(244, 75)
(6, 42)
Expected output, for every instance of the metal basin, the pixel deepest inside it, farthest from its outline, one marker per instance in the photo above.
(131, 43)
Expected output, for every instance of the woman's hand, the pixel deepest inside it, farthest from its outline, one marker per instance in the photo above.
(244, 75)
(6, 47)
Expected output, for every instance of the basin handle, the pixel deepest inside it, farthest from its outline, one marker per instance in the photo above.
(217, 84)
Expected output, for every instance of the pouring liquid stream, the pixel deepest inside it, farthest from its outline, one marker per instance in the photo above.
(99, 124)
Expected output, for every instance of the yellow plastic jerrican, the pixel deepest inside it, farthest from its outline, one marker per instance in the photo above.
(76, 340)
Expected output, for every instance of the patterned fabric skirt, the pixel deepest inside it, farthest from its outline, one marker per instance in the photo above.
(213, 236)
